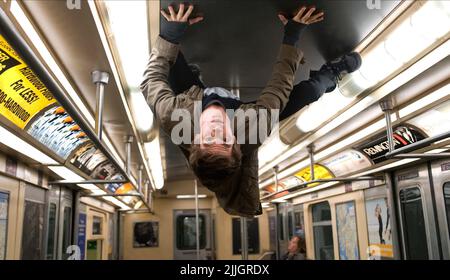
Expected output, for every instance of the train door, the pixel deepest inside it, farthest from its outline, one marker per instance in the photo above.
(60, 221)
(33, 223)
(97, 244)
(322, 231)
(9, 213)
(299, 220)
(415, 199)
(185, 234)
(441, 184)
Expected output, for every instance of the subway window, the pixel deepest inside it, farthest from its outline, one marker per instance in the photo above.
(67, 229)
(186, 229)
(322, 231)
(414, 230)
(290, 224)
(97, 225)
(281, 226)
(51, 231)
(252, 236)
(447, 202)
(32, 233)
(4, 197)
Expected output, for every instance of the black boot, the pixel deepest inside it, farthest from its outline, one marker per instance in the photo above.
(331, 72)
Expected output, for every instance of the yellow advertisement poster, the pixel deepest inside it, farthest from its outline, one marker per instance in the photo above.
(22, 94)
(320, 172)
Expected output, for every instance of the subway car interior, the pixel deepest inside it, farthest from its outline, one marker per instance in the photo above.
(87, 171)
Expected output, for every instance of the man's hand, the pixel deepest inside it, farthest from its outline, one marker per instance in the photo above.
(304, 18)
(176, 23)
(294, 27)
(181, 16)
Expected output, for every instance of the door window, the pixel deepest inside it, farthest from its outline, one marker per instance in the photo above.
(51, 231)
(186, 232)
(413, 224)
(67, 230)
(32, 234)
(322, 230)
(97, 225)
(252, 236)
(447, 203)
(3, 223)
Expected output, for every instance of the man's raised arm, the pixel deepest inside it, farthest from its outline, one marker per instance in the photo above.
(155, 86)
(276, 93)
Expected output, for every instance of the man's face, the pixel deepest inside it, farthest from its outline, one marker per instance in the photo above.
(216, 134)
(293, 245)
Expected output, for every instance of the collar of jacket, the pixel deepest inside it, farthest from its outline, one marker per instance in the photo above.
(195, 93)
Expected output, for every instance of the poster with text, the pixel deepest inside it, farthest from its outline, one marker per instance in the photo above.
(22, 94)
(379, 229)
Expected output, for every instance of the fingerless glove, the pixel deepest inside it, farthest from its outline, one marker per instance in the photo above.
(173, 31)
(292, 32)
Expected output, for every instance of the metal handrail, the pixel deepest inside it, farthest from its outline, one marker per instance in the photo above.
(387, 107)
(319, 181)
(419, 144)
(11, 34)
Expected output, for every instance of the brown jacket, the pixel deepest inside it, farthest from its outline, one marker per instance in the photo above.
(239, 196)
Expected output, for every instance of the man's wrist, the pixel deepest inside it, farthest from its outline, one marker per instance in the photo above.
(292, 32)
(173, 31)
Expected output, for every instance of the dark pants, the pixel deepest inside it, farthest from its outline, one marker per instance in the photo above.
(181, 78)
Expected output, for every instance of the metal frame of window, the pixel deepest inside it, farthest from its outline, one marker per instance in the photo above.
(6, 221)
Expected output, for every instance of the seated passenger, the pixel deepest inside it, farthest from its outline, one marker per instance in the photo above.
(296, 249)
(222, 152)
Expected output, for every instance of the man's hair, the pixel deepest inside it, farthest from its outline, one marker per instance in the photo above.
(211, 168)
(301, 244)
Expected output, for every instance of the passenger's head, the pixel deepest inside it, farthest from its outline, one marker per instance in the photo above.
(215, 155)
(296, 244)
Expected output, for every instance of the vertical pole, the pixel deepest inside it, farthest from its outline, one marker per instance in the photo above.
(275, 173)
(128, 141)
(387, 106)
(277, 239)
(140, 167)
(310, 149)
(277, 227)
(244, 238)
(197, 227)
(100, 79)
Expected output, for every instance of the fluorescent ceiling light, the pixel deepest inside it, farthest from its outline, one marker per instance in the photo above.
(410, 37)
(138, 204)
(190, 196)
(12, 141)
(318, 112)
(128, 22)
(265, 205)
(425, 101)
(143, 115)
(90, 187)
(98, 192)
(154, 159)
(53, 67)
(270, 149)
(117, 202)
(65, 173)
(133, 49)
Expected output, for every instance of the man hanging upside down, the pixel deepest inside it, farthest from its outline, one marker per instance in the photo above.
(223, 154)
